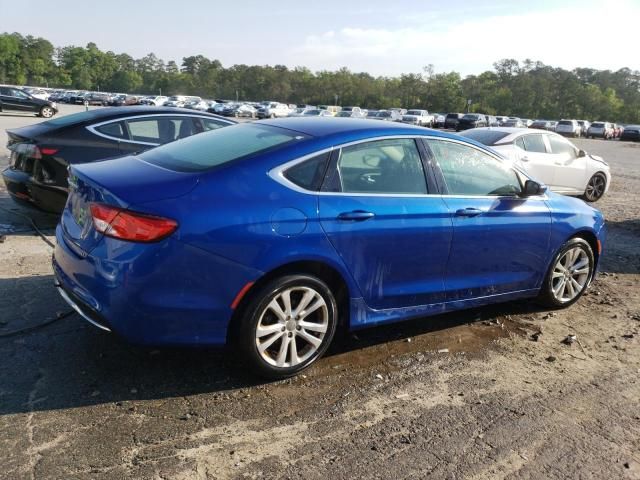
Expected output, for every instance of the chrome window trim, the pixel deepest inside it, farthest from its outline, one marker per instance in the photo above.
(92, 128)
(277, 173)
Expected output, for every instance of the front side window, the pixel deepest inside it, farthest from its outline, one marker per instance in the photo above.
(534, 143)
(468, 171)
(559, 145)
(382, 166)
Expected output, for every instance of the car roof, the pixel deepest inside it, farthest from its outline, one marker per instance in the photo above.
(105, 114)
(513, 133)
(355, 129)
(320, 127)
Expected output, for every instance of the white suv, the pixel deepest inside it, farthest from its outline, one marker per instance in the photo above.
(569, 128)
(274, 110)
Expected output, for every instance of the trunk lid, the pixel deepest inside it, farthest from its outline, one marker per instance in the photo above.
(122, 182)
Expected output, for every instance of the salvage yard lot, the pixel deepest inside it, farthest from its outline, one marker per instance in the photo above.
(76, 403)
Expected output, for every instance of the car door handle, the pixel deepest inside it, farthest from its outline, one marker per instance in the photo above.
(468, 212)
(357, 215)
(524, 159)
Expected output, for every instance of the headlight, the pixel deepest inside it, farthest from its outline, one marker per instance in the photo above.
(53, 105)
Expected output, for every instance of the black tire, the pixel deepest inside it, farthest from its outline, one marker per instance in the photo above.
(256, 311)
(595, 188)
(46, 112)
(547, 296)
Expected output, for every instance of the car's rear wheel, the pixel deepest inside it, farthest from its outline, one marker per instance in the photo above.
(287, 325)
(569, 275)
(595, 188)
(47, 112)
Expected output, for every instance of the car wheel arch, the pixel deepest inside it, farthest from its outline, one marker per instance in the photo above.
(322, 270)
(588, 236)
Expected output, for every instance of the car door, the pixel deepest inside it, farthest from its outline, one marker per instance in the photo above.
(500, 240)
(535, 158)
(14, 99)
(570, 172)
(388, 227)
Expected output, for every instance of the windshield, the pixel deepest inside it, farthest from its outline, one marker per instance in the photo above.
(372, 114)
(383, 114)
(470, 117)
(486, 137)
(414, 112)
(217, 147)
(312, 112)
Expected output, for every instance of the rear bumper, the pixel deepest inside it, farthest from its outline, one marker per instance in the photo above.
(17, 184)
(22, 188)
(630, 136)
(167, 293)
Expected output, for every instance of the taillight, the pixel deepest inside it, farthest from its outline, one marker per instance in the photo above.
(48, 151)
(126, 225)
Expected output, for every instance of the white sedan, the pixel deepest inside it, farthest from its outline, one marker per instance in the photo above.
(550, 158)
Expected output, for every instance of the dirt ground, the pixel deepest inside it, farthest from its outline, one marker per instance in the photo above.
(76, 403)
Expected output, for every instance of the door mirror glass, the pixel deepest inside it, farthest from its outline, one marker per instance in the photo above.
(531, 187)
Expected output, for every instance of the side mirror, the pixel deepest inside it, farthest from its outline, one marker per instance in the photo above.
(532, 187)
(582, 153)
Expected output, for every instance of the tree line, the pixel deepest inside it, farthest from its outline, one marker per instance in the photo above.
(527, 89)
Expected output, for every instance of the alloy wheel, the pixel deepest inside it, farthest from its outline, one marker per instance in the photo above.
(570, 274)
(292, 326)
(47, 112)
(595, 188)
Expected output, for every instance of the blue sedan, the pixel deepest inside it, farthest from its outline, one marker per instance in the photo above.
(273, 235)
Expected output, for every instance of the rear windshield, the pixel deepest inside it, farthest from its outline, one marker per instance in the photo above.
(414, 112)
(597, 124)
(453, 115)
(486, 137)
(470, 117)
(565, 122)
(211, 149)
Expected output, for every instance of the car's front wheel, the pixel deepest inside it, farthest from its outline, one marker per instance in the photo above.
(569, 274)
(47, 112)
(287, 325)
(595, 188)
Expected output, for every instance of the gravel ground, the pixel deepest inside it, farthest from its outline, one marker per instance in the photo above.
(79, 404)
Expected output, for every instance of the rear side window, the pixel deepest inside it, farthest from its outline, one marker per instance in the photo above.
(382, 166)
(160, 130)
(114, 129)
(217, 147)
(534, 143)
(310, 173)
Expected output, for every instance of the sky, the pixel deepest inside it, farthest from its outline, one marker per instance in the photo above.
(381, 37)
